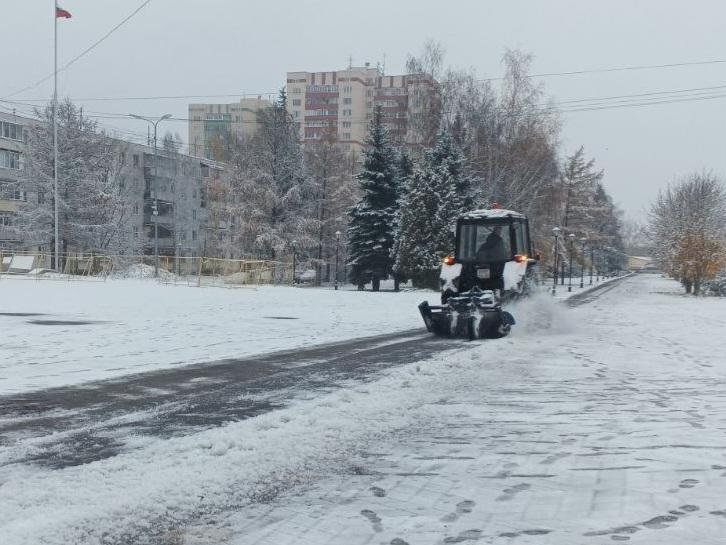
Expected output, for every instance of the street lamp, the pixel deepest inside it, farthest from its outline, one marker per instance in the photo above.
(337, 252)
(556, 233)
(294, 258)
(178, 258)
(583, 240)
(592, 261)
(154, 123)
(571, 236)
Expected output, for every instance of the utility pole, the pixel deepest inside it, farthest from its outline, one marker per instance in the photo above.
(56, 256)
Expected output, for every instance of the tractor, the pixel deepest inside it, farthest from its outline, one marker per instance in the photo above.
(493, 263)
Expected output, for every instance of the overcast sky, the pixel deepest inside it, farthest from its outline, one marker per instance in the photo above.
(211, 47)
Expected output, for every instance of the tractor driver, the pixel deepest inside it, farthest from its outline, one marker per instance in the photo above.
(493, 248)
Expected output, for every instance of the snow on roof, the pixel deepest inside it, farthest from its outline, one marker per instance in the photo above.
(492, 213)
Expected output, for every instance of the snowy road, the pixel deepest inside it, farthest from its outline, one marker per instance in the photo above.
(79, 424)
(597, 424)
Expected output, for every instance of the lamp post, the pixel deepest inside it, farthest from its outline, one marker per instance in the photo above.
(294, 259)
(154, 123)
(592, 261)
(583, 240)
(337, 253)
(155, 214)
(178, 258)
(571, 236)
(556, 233)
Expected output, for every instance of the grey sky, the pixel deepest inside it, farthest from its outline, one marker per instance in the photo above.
(187, 47)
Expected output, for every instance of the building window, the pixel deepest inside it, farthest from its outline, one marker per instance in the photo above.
(9, 159)
(194, 214)
(194, 235)
(41, 197)
(5, 219)
(295, 90)
(136, 208)
(296, 102)
(346, 136)
(136, 160)
(346, 124)
(136, 231)
(347, 100)
(183, 235)
(347, 112)
(12, 131)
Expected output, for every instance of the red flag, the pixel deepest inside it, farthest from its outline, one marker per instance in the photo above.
(60, 12)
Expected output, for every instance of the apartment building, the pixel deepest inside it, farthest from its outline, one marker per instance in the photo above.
(340, 104)
(167, 201)
(12, 144)
(207, 121)
(171, 184)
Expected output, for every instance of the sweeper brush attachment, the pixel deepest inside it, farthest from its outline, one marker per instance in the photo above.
(474, 315)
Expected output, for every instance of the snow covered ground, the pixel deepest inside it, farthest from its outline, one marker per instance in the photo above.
(58, 333)
(135, 326)
(591, 425)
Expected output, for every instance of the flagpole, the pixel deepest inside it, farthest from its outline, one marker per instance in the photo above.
(56, 264)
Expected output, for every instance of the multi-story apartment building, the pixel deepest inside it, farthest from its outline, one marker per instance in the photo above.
(12, 144)
(207, 121)
(167, 201)
(173, 184)
(340, 104)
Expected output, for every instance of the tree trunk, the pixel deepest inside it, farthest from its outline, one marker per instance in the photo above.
(396, 283)
(376, 284)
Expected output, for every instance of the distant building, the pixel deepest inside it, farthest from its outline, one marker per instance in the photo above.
(207, 121)
(176, 183)
(340, 104)
(175, 186)
(12, 145)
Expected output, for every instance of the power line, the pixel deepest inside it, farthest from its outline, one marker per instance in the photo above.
(273, 93)
(618, 69)
(84, 52)
(169, 97)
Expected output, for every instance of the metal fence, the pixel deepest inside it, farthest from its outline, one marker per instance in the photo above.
(191, 271)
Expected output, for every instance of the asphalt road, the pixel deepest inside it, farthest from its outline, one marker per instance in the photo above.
(81, 424)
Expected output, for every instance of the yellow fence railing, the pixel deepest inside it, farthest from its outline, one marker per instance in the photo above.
(193, 271)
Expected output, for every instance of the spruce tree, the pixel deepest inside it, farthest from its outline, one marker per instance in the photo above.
(434, 196)
(370, 234)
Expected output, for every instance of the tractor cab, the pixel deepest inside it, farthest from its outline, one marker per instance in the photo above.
(488, 242)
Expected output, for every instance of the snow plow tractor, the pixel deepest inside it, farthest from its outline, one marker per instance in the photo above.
(493, 263)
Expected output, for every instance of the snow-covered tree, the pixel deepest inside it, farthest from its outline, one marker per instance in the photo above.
(271, 198)
(330, 171)
(437, 192)
(93, 203)
(372, 219)
(688, 229)
(580, 184)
